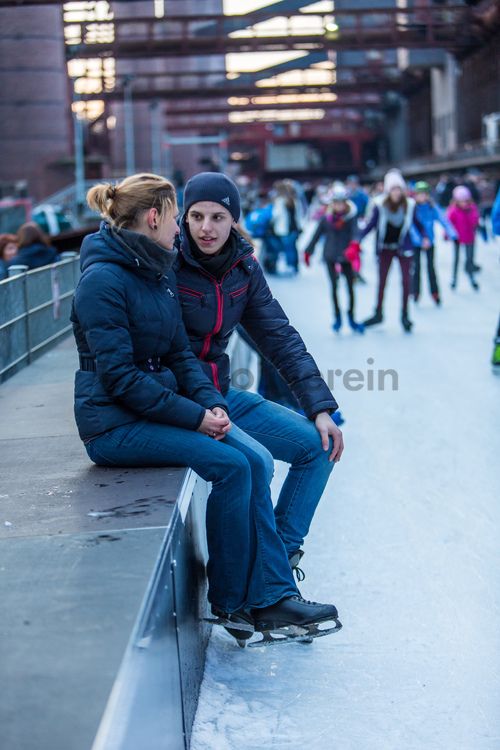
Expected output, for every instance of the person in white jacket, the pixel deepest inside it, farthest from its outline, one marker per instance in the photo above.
(287, 221)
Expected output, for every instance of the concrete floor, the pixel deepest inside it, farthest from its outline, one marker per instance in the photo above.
(405, 542)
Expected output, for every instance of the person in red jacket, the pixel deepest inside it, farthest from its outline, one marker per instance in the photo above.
(464, 215)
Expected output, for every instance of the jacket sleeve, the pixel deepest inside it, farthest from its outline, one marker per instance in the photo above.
(187, 370)
(448, 227)
(451, 216)
(371, 224)
(495, 215)
(420, 226)
(101, 307)
(266, 323)
(316, 237)
(475, 217)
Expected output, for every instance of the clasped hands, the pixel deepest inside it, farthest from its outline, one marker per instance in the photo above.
(216, 424)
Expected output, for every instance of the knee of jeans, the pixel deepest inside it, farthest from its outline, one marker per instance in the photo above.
(268, 462)
(236, 466)
(314, 447)
(261, 464)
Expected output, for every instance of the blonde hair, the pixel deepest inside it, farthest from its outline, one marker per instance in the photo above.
(122, 204)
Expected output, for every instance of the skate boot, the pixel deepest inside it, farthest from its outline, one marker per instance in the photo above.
(474, 283)
(436, 298)
(376, 318)
(294, 559)
(406, 322)
(453, 284)
(337, 324)
(294, 619)
(356, 327)
(240, 618)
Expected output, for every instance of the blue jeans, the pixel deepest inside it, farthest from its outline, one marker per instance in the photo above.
(248, 564)
(292, 438)
(289, 245)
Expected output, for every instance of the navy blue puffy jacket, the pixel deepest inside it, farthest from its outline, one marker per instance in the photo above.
(124, 314)
(212, 309)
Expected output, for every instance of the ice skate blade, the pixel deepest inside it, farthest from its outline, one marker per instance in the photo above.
(294, 634)
(230, 624)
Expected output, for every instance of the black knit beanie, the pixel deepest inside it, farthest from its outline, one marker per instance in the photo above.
(213, 186)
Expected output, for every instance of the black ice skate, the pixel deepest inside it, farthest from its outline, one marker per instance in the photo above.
(293, 619)
(242, 619)
(376, 318)
(406, 322)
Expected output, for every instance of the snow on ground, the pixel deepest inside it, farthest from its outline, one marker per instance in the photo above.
(405, 542)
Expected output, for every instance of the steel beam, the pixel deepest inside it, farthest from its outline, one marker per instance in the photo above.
(221, 92)
(413, 28)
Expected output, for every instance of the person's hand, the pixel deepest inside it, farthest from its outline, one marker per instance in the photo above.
(328, 429)
(426, 243)
(215, 424)
(307, 259)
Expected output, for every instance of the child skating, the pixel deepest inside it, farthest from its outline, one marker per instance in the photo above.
(428, 214)
(339, 228)
(464, 215)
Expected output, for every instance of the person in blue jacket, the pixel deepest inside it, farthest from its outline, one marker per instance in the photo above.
(222, 285)
(142, 399)
(427, 213)
(34, 248)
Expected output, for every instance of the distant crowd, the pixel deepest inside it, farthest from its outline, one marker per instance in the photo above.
(30, 247)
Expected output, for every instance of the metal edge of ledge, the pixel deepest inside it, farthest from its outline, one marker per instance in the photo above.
(146, 706)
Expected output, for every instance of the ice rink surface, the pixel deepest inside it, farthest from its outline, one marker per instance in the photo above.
(405, 542)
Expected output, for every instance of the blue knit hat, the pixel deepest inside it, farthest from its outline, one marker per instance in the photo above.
(212, 186)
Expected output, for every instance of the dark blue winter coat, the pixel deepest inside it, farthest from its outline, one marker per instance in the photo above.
(35, 256)
(338, 230)
(212, 309)
(127, 325)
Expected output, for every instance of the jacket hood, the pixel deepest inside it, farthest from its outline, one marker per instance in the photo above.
(351, 212)
(243, 248)
(126, 248)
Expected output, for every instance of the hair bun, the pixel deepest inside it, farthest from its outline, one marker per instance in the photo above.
(111, 192)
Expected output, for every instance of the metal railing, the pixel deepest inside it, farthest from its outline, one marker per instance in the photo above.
(34, 311)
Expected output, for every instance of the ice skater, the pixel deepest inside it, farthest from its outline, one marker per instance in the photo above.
(392, 217)
(221, 286)
(464, 215)
(339, 227)
(428, 214)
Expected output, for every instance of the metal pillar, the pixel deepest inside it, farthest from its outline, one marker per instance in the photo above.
(79, 162)
(128, 115)
(155, 112)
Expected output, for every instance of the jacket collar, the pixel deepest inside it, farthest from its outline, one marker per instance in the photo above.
(244, 251)
(126, 248)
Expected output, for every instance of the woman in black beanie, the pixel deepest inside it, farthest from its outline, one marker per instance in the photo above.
(221, 285)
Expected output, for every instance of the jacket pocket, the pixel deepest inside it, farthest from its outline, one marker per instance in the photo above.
(185, 291)
(237, 293)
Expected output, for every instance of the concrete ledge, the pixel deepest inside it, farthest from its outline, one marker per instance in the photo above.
(102, 582)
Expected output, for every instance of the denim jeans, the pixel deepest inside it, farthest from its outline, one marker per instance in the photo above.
(292, 438)
(289, 245)
(248, 564)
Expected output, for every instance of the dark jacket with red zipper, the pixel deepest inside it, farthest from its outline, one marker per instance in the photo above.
(212, 308)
